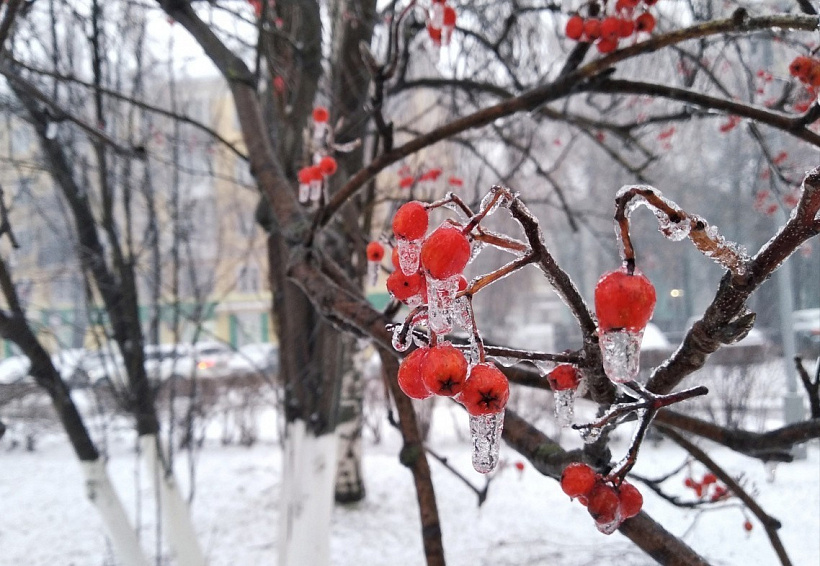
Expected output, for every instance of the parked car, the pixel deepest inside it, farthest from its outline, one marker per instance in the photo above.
(255, 358)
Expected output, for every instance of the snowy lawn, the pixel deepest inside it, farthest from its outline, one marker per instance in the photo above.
(46, 520)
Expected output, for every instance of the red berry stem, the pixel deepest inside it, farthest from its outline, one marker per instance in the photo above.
(409, 320)
(497, 192)
(451, 198)
(705, 239)
(499, 240)
(479, 341)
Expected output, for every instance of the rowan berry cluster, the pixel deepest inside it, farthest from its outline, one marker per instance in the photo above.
(429, 271)
(408, 180)
(807, 70)
(608, 503)
(627, 19)
(312, 177)
(441, 21)
(708, 488)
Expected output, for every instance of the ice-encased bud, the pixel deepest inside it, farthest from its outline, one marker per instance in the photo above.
(621, 351)
(409, 253)
(485, 431)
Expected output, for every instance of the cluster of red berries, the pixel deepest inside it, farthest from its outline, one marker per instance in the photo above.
(311, 178)
(607, 32)
(443, 370)
(807, 69)
(707, 488)
(441, 21)
(609, 504)
(407, 179)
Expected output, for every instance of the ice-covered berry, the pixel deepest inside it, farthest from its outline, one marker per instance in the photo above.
(320, 114)
(630, 499)
(578, 479)
(410, 221)
(374, 251)
(486, 390)
(445, 252)
(444, 370)
(402, 286)
(410, 380)
(624, 301)
(564, 377)
(603, 503)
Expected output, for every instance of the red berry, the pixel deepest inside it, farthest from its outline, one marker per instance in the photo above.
(320, 114)
(709, 478)
(374, 251)
(462, 283)
(404, 286)
(394, 258)
(813, 77)
(626, 27)
(630, 499)
(564, 377)
(689, 482)
(445, 252)
(410, 380)
(449, 18)
(603, 503)
(800, 66)
(444, 370)
(519, 465)
(486, 391)
(410, 221)
(747, 525)
(305, 175)
(455, 182)
(434, 33)
(575, 27)
(627, 4)
(610, 27)
(624, 301)
(578, 479)
(406, 182)
(592, 29)
(607, 44)
(327, 165)
(645, 22)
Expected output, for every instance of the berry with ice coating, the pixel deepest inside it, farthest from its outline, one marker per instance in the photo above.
(328, 166)
(578, 479)
(602, 503)
(486, 390)
(409, 376)
(445, 252)
(410, 221)
(630, 499)
(645, 22)
(402, 286)
(444, 370)
(374, 251)
(320, 114)
(564, 377)
(624, 301)
(575, 27)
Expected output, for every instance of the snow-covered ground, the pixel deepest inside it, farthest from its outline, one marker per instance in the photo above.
(46, 520)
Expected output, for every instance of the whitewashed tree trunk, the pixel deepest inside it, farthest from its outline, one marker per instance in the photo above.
(308, 474)
(174, 512)
(103, 496)
(349, 483)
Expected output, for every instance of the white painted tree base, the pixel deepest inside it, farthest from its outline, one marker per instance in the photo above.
(174, 512)
(122, 533)
(308, 478)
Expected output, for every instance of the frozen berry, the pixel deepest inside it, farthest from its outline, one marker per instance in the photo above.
(592, 29)
(320, 114)
(578, 479)
(709, 478)
(486, 391)
(410, 221)
(404, 286)
(575, 27)
(394, 258)
(630, 499)
(626, 27)
(327, 166)
(610, 27)
(800, 66)
(645, 22)
(519, 465)
(444, 370)
(409, 376)
(607, 44)
(564, 377)
(747, 525)
(445, 252)
(624, 301)
(603, 503)
(374, 251)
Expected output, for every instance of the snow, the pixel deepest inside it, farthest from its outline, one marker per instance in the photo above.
(45, 518)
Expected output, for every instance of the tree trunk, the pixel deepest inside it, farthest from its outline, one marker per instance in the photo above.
(309, 467)
(102, 495)
(349, 482)
(174, 512)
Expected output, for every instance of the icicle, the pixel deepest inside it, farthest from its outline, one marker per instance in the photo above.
(543, 367)
(485, 431)
(398, 345)
(506, 361)
(304, 192)
(461, 314)
(612, 526)
(409, 252)
(441, 295)
(771, 467)
(436, 20)
(621, 351)
(501, 201)
(315, 190)
(675, 231)
(564, 407)
(590, 434)
(51, 130)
